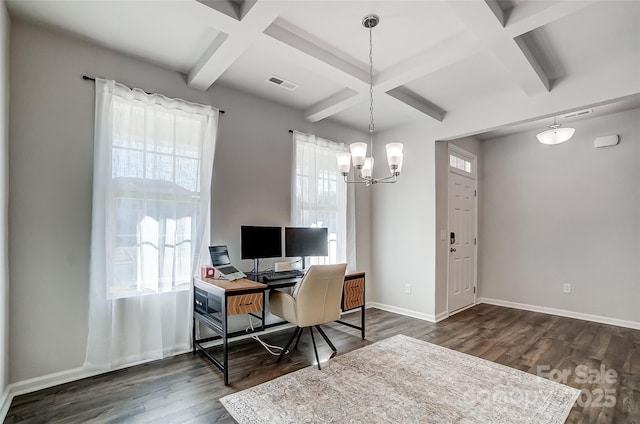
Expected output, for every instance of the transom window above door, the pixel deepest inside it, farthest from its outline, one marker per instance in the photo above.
(460, 164)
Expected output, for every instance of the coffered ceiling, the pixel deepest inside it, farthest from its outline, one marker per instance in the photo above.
(433, 60)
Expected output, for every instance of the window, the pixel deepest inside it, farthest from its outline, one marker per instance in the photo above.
(460, 164)
(154, 189)
(319, 194)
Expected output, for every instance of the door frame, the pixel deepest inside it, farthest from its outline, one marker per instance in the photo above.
(458, 151)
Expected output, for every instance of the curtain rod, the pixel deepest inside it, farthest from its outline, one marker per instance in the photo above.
(85, 77)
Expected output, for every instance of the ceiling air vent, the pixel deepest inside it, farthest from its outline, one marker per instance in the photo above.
(578, 113)
(281, 82)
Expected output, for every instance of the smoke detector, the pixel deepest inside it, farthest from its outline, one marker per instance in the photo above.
(281, 82)
(578, 113)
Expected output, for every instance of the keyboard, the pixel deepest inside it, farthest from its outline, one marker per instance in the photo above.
(274, 276)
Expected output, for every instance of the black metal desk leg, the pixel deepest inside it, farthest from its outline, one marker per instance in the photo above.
(193, 335)
(362, 320)
(263, 308)
(225, 353)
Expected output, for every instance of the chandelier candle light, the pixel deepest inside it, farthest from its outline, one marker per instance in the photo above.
(363, 164)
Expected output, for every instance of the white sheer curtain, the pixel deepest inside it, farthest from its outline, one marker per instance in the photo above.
(153, 159)
(320, 197)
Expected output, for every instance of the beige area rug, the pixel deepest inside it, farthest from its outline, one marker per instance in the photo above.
(404, 380)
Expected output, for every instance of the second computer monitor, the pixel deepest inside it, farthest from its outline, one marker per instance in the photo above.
(305, 241)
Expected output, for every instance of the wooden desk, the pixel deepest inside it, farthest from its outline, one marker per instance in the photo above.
(214, 302)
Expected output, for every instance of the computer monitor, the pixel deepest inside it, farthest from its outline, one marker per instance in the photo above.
(305, 241)
(260, 242)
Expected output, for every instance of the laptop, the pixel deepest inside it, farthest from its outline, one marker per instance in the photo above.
(222, 263)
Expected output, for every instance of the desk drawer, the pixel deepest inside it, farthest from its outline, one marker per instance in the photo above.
(244, 303)
(353, 295)
(206, 303)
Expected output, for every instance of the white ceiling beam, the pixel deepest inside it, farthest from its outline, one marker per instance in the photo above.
(306, 54)
(514, 54)
(419, 104)
(224, 51)
(527, 16)
(224, 6)
(497, 10)
(303, 52)
(445, 54)
(481, 20)
(210, 15)
(588, 89)
(317, 59)
(524, 61)
(522, 65)
(244, 6)
(333, 104)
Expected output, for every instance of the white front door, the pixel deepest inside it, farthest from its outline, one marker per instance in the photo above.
(462, 230)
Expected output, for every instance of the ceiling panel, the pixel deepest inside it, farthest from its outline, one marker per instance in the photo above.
(406, 28)
(480, 76)
(246, 76)
(155, 31)
(588, 40)
(421, 41)
(386, 114)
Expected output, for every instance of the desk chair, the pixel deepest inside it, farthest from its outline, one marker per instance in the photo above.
(315, 300)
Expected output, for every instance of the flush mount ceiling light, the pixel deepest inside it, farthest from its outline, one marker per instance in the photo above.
(556, 134)
(364, 165)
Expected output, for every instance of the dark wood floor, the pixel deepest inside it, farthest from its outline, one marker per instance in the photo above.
(186, 388)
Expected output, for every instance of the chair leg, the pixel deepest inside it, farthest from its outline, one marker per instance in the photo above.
(298, 339)
(326, 339)
(313, 340)
(295, 333)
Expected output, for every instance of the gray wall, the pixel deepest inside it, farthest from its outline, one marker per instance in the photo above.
(471, 145)
(403, 225)
(51, 148)
(4, 197)
(564, 214)
(407, 218)
(252, 172)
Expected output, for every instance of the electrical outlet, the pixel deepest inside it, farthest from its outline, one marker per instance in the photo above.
(407, 288)
(566, 288)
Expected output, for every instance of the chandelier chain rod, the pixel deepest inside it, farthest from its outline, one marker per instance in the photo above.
(371, 125)
(363, 165)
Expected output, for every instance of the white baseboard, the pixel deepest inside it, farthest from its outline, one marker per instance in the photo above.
(441, 316)
(54, 379)
(62, 377)
(562, 312)
(49, 380)
(402, 311)
(39, 383)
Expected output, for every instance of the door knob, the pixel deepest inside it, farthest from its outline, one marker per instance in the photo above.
(453, 249)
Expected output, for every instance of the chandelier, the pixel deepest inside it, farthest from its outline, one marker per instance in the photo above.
(364, 165)
(556, 134)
